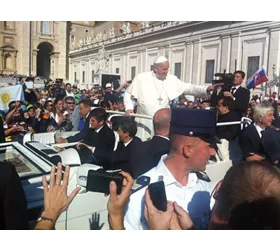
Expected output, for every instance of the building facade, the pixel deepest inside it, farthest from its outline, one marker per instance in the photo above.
(196, 50)
(34, 48)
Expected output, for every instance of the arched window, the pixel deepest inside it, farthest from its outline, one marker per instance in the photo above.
(45, 27)
(8, 61)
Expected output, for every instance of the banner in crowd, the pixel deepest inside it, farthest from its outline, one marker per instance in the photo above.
(8, 94)
(258, 78)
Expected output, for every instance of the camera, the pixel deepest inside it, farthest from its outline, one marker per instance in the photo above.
(226, 78)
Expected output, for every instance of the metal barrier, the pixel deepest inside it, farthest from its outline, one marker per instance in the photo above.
(118, 113)
(244, 120)
(148, 129)
(221, 154)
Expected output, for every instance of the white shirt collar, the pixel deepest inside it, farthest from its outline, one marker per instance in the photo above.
(69, 93)
(259, 129)
(126, 143)
(97, 130)
(236, 87)
(163, 137)
(168, 178)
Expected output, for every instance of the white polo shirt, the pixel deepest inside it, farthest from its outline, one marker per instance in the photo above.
(194, 198)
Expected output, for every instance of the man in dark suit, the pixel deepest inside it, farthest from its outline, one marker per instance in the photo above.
(240, 95)
(13, 204)
(124, 157)
(151, 151)
(276, 122)
(226, 114)
(116, 119)
(85, 107)
(250, 139)
(271, 145)
(101, 141)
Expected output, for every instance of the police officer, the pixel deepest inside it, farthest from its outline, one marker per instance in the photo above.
(192, 138)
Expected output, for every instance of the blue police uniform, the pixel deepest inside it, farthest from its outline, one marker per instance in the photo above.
(195, 196)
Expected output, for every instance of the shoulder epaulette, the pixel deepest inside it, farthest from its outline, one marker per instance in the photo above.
(139, 183)
(202, 176)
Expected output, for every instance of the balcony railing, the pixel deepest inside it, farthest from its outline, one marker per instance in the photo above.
(45, 35)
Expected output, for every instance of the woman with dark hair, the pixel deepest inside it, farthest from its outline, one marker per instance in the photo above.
(105, 105)
(59, 116)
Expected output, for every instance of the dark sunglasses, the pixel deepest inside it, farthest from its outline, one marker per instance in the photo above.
(70, 102)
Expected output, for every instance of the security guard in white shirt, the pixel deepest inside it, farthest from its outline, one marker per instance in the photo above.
(192, 136)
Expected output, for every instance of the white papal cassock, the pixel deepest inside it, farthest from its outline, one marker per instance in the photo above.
(153, 94)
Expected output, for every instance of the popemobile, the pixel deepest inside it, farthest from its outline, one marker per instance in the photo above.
(88, 210)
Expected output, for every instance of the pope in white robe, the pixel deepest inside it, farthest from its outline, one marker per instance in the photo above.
(154, 90)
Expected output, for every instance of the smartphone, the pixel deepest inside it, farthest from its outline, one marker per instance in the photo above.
(99, 181)
(158, 195)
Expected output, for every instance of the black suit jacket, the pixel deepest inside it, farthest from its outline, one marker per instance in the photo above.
(125, 157)
(250, 141)
(241, 102)
(276, 122)
(271, 144)
(149, 154)
(84, 135)
(13, 204)
(228, 132)
(104, 143)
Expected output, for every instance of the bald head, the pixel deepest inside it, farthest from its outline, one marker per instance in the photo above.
(161, 122)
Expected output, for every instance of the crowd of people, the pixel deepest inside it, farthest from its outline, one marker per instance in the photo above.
(185, 136)
(55, 107)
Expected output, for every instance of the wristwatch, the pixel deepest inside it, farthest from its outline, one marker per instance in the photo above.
(43, 218)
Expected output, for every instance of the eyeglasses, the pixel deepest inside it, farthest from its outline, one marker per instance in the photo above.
(70, 102)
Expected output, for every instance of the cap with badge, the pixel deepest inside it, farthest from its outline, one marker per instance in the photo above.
(194, 122)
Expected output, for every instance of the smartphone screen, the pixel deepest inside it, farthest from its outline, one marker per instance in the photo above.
(158, 195)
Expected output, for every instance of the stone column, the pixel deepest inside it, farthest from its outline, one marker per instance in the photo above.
(225, 53)
(2, 61)
(273, 52)
(15, 61)
(54, 65)
(236, 52)
(34, 61)
(196, 62)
